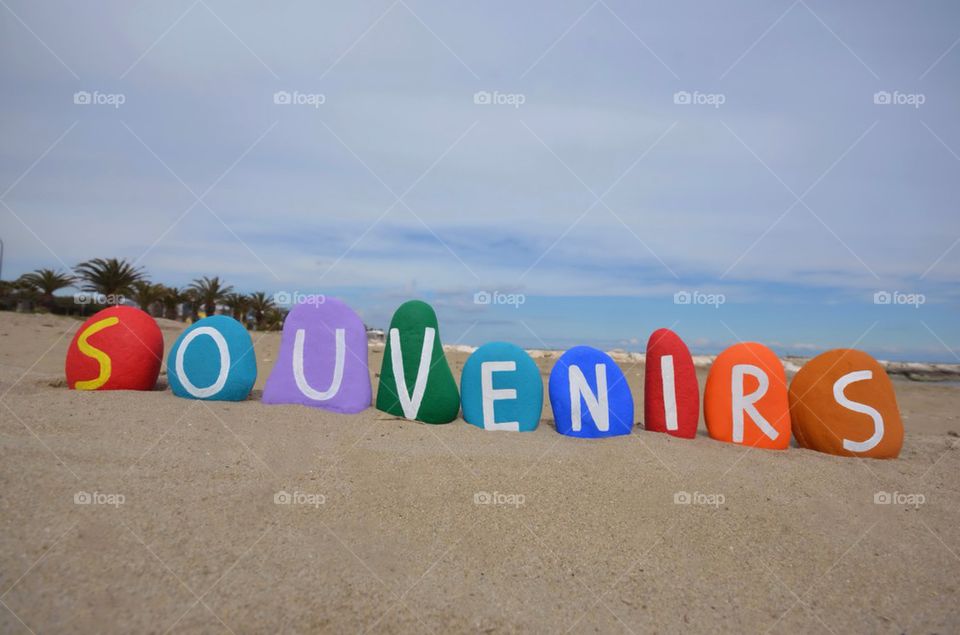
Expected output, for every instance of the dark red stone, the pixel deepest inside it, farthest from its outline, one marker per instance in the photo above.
(662, 343)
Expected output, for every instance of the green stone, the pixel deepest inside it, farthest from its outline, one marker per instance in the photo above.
(428, 391)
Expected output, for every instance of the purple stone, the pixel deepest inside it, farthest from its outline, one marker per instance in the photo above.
(323, 359)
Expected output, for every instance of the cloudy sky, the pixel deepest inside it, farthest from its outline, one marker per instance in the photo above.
(776, 163)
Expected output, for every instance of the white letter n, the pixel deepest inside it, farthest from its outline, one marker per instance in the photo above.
(596, 404)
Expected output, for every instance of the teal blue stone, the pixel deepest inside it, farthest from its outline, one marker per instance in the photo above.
(509, 369)
(195, 367)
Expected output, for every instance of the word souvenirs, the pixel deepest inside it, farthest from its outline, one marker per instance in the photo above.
(841, 402)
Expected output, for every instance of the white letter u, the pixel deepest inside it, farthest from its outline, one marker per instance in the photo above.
(301, 380)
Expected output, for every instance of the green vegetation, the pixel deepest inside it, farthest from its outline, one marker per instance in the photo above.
(105, 282)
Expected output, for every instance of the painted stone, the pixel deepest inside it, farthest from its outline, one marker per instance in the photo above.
(415, 380)
(323, 359)
(119, 348)
(745, 399)
(501, 389)
(842, 402)
(671, 394)
(213, 360)
(589, 395)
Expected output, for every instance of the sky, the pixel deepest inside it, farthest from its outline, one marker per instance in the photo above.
(778, 171)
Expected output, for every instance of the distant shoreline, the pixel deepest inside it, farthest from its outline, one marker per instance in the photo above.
(914, 371)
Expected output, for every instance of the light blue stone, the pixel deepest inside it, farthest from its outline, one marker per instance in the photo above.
(195, 365)
(582, 362)
(514, 390)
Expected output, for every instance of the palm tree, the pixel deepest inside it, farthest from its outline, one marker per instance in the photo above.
(210, 292)
(111, 277)
(146, 294)
(172, 298)
(190, 296)
(7, 290)
(260, 304)
(25, 294)
(239, 305)
(273, 319)
(46, 282)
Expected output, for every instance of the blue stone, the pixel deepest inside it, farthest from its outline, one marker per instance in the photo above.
(213, 360)
(573, 389)
(514, 390)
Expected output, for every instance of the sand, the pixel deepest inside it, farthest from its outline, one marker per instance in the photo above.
(385, 535)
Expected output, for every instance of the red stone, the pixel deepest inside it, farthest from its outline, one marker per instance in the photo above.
(119, 348)
(663, 343)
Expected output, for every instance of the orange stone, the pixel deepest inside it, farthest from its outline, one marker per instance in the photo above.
(842, 402)
(745, 400)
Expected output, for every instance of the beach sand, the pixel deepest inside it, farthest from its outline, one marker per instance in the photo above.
(585, 535)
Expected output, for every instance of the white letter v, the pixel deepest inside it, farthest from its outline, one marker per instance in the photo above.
(411, 405)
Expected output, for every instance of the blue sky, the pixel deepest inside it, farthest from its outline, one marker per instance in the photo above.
(783, 188)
